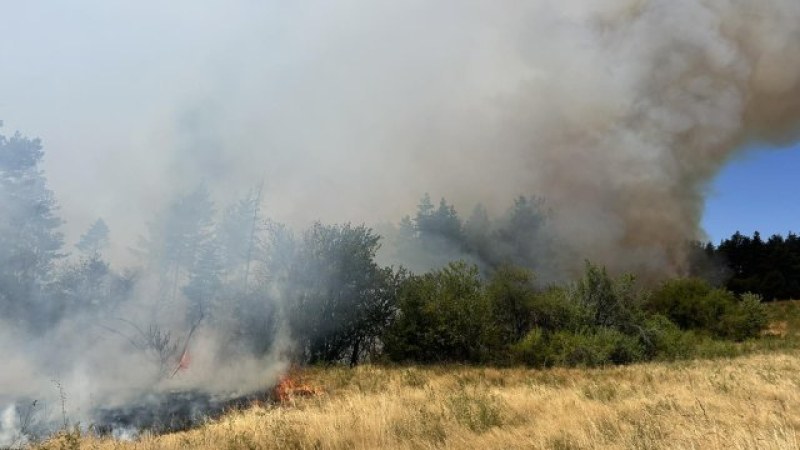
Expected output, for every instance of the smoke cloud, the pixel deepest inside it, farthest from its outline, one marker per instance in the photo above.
(617, 112)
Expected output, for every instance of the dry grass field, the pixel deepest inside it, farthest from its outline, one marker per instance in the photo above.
(746, 402)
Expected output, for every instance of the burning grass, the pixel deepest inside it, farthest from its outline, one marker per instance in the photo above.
(744, 402)
(747, 401)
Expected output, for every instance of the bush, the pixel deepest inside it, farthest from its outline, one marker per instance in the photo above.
(683, 301)
(555, 309)
(693, 305)
(662, 339)
(444, 315)
(744, 319)
(532, 349)
(596, 347)
(511, 292)
(608, 302)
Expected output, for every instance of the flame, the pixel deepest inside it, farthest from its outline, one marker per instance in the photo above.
(183, 362)
(291, 385)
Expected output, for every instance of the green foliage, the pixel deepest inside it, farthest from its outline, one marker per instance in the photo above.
(663, 339)
(339, 299)
(608, 302)
(592, 347)
(769, 268)
(679, 300)
(743, 320)
(532, 349)
(340, 305)
(556, 309)
(694, 305)
(30, 242)
(444, 315)
(448, 315)
(511, 294)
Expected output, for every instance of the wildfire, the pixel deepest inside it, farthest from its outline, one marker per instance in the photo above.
(292, 385)
(183, 362)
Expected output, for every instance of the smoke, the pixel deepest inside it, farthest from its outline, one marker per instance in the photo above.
(648, 101)
(96, 369)
(617, 112)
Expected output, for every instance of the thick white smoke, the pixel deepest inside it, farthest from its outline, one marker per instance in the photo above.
(617, 112)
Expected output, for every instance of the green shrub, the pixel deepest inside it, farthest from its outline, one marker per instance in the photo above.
(593, 347)
(693, 305)
(608, 302)
(673, 297)
(708, 347)
(511, 292)
(532, 349)
(743, 320)
(555, 309)
(662, 339)
(444, 316)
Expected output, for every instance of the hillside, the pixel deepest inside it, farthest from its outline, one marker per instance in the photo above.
(740, 402)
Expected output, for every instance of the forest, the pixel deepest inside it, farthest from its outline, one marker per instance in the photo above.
(456, 290)
(742, 263)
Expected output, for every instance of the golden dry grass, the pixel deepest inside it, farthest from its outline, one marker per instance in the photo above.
(741, 403)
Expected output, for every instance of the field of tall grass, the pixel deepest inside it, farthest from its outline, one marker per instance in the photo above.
(748, 399)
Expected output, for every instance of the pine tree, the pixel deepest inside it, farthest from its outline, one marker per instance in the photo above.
(177, 237)
(95, 240)
(239, 237)
(29, 238)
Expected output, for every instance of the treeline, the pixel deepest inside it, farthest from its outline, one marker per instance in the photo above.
(260, 286)
(742, 263)
(436, 235)
(452, 315)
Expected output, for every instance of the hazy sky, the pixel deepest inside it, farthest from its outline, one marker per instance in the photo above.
(342, 105)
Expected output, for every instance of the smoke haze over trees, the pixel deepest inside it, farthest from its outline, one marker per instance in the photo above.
(617, 112)
(223, 298)
(213, 168)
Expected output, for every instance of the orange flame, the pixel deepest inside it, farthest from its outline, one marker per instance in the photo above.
(291, 386)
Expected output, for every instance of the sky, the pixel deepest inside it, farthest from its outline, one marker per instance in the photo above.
(758, 191)
(332, 101)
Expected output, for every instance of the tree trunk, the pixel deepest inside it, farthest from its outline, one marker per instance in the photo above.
(356, 351)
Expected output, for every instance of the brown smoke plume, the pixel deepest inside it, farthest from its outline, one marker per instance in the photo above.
(618, 112)
(643, 102)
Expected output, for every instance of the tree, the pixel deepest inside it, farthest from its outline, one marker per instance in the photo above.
(204, 283)
(511, 291)
(95, 240)
(86, 286)
(440, 225)
(519, 239)
(338, 298)
(438, 236)
(29, 238)
(477, 231)
(609, 302)
(239, 238)
(444, 315)
(177, 236)
(771, 268)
